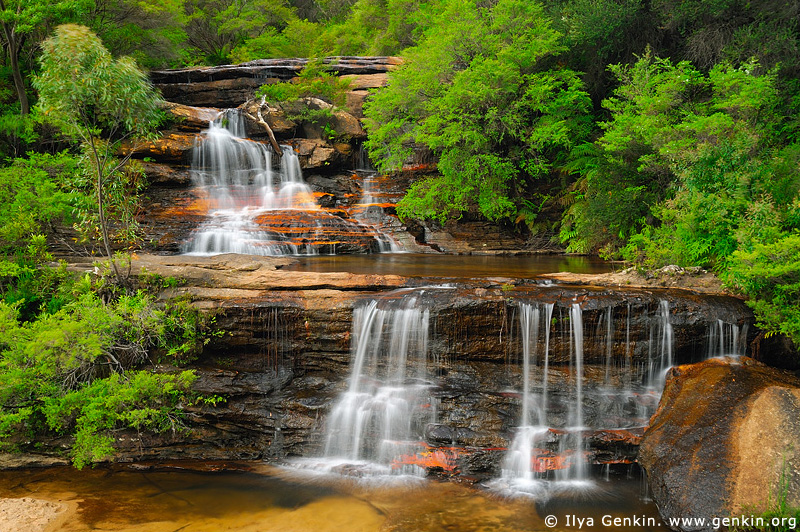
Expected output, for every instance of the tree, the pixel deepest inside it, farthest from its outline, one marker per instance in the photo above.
(97, 101)
(18, 19)
(480, 91)
(151, 31)
(216, 27)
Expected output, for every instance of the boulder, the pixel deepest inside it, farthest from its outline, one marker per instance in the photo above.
(723, 442)
(166, 175)
(188, 118)
(171, 147)
(317, 154)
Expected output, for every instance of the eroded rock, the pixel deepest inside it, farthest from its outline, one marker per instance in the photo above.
(723, 440)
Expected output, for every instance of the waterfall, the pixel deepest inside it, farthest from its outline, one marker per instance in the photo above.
(240, 182)
(573, 444)
(369, 212)
(726, 339)
(387, 405)
(548, 445)
(660, 352)
(523, 451)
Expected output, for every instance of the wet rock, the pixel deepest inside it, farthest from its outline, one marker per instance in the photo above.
(166, 175)
(723, 439)
(257, 110)
(340, 124)
(317, 154)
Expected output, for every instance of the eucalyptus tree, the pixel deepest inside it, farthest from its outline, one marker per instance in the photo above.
(97, 101)
(19, 19)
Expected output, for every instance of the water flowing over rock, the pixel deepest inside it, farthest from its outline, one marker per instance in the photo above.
(254, 209)
(724, 440)
(382, 415)
(291, 341)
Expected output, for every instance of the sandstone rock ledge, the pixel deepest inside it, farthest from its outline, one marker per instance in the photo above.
(724, 441)
(694, 279)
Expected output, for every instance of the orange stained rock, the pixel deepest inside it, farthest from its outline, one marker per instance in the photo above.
(544, 460)
(194, 207)
(444, 458)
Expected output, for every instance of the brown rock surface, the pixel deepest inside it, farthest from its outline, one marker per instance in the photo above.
(724, 436)
(166, 174)
(171, 147)
(231, 85)
(188, 118)
(695, 279)
(316, 154)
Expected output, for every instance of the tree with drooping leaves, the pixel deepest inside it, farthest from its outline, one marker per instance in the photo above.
(98, 101)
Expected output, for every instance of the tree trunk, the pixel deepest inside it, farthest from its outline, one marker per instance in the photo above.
(16, 73)
(101, 210)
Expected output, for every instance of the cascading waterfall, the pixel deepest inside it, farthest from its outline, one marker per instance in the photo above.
(550, 447)
(533, 421)
(726, 339)
(368, 211)
(660, 355)
(241, 183)
(387, 405)
(573, 444)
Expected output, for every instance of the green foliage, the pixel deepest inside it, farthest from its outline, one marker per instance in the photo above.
(314, 81)
(216, 27)
(151, 31)
(297, 39)
(34, 195)
(98, 101)
(478, 91)
(79, 370)
(297, 97)
(379, 27)
(770, 276)
(677, 171)
(81, 88)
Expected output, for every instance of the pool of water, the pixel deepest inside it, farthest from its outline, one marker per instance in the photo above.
(258, 498)
(451, 266)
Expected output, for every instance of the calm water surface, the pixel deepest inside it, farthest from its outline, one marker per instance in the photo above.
(452, 266)
(272, 499)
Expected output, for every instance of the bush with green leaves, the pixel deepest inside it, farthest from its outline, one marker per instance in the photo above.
(35, 196)
(314, 81)
(482, 92)
(684, 162)
(770, 275)
(85, 369)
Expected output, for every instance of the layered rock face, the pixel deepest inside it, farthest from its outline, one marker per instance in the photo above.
(286, 358)
(724, 441)
(231, 85)
(331, 156)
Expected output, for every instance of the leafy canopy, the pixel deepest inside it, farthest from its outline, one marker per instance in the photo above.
(87, 94)
(481, 93)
